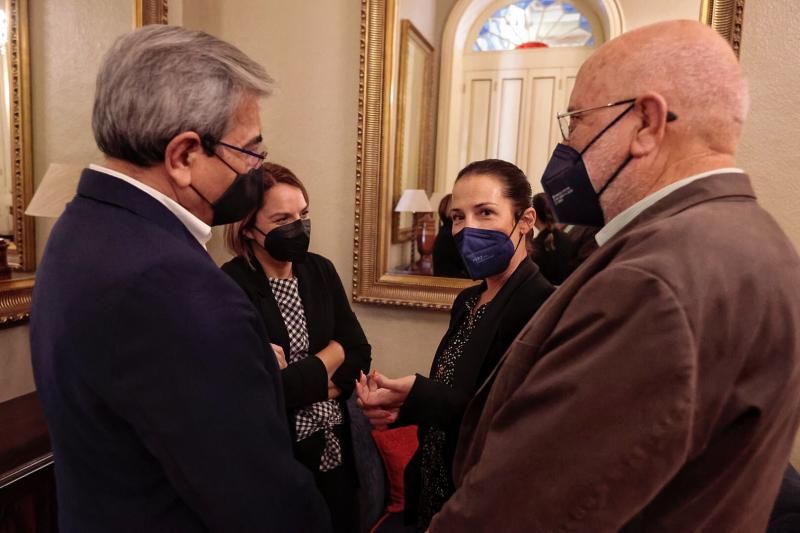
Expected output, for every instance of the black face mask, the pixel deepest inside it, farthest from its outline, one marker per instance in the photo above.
(242, 197)
(289, 242)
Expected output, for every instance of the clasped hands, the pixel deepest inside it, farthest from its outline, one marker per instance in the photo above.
(380, 398)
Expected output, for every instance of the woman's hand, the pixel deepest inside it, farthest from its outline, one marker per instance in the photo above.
(279, 355)
(333, 391)
(380, 398)
(332, 357)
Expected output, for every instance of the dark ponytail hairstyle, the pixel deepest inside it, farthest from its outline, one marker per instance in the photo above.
(542, 208)
(516, 186)
(545, 214)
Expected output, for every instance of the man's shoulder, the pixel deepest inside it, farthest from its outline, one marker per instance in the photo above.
(724, 256)
(724, 234)
(191, 278)
(104, 253)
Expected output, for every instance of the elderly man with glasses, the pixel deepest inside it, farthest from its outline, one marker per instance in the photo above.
(162, 395)
(659, 388)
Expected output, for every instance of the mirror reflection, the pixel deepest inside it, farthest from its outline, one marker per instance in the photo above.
(513, 69)
(470, 80)
(6, 174)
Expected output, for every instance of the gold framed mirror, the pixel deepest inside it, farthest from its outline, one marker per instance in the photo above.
(373, 281)
(378, 234)
(150, 12)
(18, 253)
(414, 139)
(18, 248)
(726, 17)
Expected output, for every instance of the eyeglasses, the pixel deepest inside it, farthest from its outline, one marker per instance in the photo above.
(565, 122)
(565, 119)
(252, 159)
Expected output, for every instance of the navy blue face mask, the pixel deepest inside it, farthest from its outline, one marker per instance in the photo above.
(485, 252)
(568, 187)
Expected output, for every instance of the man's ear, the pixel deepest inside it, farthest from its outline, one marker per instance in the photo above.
(652, 110)
(181, 154)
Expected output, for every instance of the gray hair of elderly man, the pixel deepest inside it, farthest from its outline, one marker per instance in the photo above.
(159, 81)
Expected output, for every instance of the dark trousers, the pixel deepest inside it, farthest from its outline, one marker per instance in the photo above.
(338, 486)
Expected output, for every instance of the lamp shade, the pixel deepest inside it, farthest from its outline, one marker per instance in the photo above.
(57, 188)
(413, 201)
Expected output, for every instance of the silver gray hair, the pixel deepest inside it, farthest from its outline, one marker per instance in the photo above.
(159, 81)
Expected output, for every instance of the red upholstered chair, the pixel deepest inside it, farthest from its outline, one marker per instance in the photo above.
(396, 447)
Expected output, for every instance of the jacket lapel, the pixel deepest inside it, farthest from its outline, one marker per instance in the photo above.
(471, 362)
(457, 315)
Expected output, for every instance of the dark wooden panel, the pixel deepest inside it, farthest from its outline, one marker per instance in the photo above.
(27, 482)
(23, 432)
(28, 504)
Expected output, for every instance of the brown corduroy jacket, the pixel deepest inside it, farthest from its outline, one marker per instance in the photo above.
(658, 389)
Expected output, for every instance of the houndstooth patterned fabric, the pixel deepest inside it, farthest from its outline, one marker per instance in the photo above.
(319, 416)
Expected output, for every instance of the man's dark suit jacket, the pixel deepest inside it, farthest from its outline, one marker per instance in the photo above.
(164, 404)
(434, 403)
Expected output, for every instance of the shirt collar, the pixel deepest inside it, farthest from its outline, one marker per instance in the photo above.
(199, 229)
(619, 222)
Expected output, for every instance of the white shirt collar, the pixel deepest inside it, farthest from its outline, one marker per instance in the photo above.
(616, 224)
(199, 229)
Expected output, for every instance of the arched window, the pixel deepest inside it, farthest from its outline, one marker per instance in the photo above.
(534, 24)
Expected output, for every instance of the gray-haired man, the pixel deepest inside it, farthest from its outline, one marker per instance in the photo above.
(162, 396)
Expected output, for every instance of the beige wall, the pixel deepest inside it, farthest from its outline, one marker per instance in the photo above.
(769, 148)
(640, 13)
(67, 42)
(16, 377)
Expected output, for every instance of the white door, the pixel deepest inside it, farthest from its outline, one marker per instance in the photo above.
(494, 115)
(548, 94)
(509, 107)
(477, 116)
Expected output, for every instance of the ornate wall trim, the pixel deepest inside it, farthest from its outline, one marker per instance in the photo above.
(151, 12)
(726, 17)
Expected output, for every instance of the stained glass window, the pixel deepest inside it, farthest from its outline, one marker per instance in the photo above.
(534, 24)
